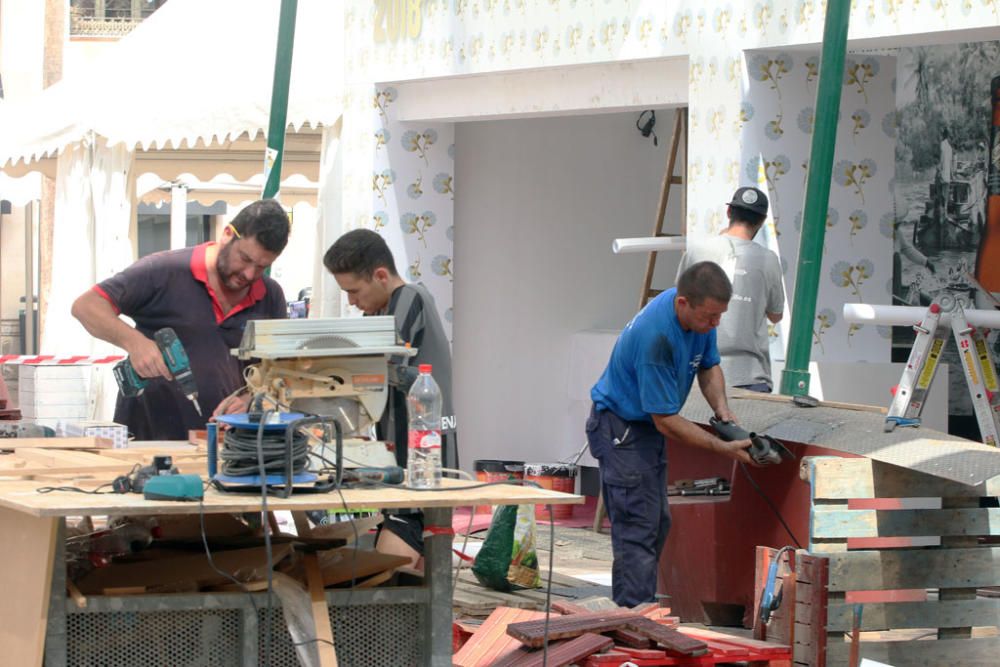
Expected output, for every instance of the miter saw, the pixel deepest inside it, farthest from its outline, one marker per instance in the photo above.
(335, 368)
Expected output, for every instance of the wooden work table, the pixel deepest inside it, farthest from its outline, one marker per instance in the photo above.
(32, 574)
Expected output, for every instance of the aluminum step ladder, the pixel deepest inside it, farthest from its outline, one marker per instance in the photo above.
(921, 367)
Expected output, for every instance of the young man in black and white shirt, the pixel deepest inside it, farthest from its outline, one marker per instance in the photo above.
(364, 268)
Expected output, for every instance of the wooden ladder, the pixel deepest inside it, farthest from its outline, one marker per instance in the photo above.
(669, 178)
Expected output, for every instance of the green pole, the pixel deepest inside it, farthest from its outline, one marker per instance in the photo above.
(795, 377)
(279, 99)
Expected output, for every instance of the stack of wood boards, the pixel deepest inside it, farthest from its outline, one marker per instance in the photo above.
(895, 562)
(645, 635)
(67, 459)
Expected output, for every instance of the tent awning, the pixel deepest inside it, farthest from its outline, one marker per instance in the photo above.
(195, 74)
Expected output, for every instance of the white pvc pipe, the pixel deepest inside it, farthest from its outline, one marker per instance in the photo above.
(650, 244)
(905, 316)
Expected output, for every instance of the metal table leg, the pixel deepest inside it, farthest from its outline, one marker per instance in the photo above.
(55, 628)
(437, 573)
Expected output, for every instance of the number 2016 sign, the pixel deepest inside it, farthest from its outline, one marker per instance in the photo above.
(397, 19)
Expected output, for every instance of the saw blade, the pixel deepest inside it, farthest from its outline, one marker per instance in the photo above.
(328, 341)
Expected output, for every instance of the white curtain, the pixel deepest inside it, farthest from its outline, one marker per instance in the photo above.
(95, 188)
(330, 224)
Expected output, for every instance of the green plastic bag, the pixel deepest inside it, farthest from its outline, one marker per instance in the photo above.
(507, 558)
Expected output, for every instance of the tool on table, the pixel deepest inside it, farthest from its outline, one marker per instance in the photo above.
(764, 449)
(770, 599)
(805, 401)
(25, 429)
(174, 487)
(131, 384)
(363, 476)
(708, 486)
(977, 363)
(338, 369)
(135, 481)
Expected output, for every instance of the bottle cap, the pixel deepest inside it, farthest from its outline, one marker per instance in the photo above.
(424, 368)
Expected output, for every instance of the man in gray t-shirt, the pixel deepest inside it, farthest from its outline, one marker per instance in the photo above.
(364, 268)
(758, 294)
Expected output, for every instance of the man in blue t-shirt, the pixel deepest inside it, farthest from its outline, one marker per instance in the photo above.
(637, 402)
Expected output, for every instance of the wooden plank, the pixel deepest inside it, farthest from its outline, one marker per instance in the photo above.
(181, 570)
(346, 563)
(62, 457)
(810, 639)
(780, 398)
(566, 607)
(744, 642)
(830, 522)
(909, 569)
(491, 643)
(22, 496)
(26, 565)
(108, 471)
(533, 633)
(930, 652)
(959, 593)
(836, 478)
(930, 614)
(16, 444)
(673, 640)
(565, 653)
(321, 613)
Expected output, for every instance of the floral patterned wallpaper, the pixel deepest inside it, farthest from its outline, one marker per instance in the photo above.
(413, 192)
(776, 123)
(753, 68)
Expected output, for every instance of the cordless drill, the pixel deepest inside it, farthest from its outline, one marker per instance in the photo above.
(131, 384)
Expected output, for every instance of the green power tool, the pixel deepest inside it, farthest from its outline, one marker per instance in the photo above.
(131, 384)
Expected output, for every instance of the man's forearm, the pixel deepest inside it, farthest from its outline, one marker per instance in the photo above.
(101, 321)
(678, 429)
(713, 388)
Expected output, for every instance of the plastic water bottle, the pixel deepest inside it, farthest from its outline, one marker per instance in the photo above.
(424, 409)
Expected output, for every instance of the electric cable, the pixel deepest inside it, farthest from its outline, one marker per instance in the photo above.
(211, 561)
(468, 529)
(243, 455)
(770, 504)
(75, 489)
(548, 586)
(266, 527)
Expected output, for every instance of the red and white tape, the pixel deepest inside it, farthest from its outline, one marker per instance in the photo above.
(53, 360)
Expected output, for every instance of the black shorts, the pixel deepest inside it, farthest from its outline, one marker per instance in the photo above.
(408, 527)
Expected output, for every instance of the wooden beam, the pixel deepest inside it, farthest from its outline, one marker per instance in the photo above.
(26, 565)
(893, 570)
(320, 611)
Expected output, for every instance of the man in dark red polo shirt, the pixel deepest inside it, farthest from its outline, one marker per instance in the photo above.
(206, 294)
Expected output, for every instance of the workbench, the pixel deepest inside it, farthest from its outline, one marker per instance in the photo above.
(38, 620)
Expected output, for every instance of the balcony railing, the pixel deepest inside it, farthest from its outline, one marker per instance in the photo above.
(90, 22)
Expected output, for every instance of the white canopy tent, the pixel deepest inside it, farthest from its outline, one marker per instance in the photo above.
(186, 95)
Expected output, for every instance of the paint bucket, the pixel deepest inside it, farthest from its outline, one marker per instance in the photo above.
(492, 470)
(555, 476)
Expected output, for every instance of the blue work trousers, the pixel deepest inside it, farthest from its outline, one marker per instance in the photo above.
(633, 465)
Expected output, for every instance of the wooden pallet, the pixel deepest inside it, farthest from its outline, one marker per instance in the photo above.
(895, 558)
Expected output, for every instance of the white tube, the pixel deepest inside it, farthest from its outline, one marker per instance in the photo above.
(650, 244)
(905, 316)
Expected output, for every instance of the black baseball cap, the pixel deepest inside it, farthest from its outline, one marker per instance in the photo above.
(750, 199)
